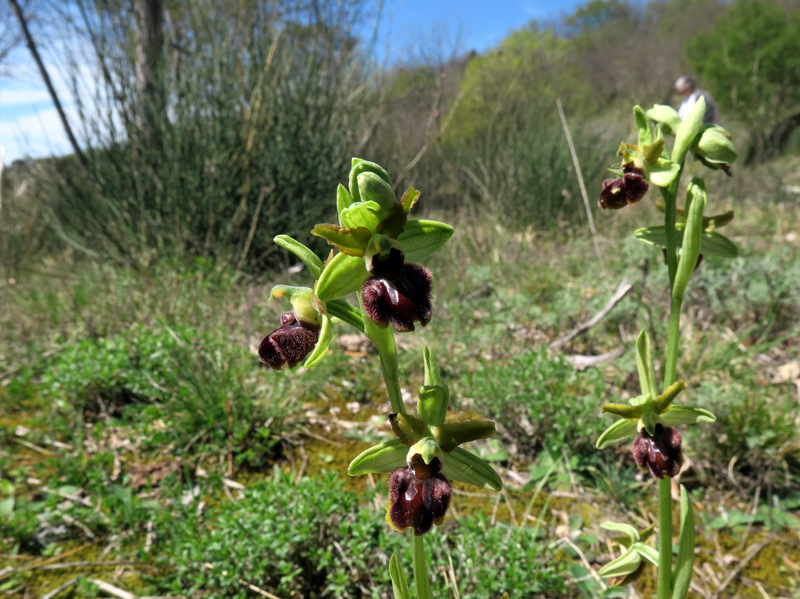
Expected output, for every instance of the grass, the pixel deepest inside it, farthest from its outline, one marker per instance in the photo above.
(129, 397)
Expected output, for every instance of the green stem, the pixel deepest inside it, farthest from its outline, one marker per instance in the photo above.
(391, 377)
(672, 340)
(664, 538)
(420, 568)
(387, 351)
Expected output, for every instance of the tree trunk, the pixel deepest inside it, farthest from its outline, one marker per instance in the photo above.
(149, 37)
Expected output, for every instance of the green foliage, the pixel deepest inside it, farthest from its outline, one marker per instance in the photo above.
(313, 538)
(508, 86)
(751, 61)
(540, 400)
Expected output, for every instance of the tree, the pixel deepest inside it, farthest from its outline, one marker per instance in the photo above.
(750, 60)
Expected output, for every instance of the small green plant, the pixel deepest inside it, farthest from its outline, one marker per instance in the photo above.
(686, 237)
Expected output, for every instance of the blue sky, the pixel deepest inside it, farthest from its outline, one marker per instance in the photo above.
(29, 123)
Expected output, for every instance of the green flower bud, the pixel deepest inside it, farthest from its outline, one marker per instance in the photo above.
(713, 146)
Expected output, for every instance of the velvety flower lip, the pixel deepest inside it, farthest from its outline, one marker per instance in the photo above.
(627, 189)
(289, 344)
(400, 298)
(419, 496)
(660, 453)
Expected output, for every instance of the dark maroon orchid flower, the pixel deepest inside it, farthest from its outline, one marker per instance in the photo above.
(397, 293)
(660, 453)
(419, 496)
(628, 189)
(289, 344)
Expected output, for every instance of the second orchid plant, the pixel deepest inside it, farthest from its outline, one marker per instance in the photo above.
(650, 418)
(377, 255)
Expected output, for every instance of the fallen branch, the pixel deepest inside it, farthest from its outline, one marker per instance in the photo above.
(622, 290)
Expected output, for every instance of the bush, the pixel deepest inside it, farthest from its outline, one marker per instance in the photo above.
(312, 538)
(243, 135)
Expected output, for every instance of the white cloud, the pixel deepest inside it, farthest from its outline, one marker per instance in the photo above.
(22, 97)
(39, 134)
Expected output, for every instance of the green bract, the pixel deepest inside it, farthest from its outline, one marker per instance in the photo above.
(647, 410)
(430, 437)
(636, 551)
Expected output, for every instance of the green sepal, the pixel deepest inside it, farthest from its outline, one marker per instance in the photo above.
(379, 245)
(718, 220)
(711, 242)
(619, 431)
(678, 415)
(644, 363)
(662, 402)
(465, 467)
(359, 166)
(453, 434)
(341, 276)
(421, 238)
(385, 457)
(652, 152)
(394, 223)
(648, 422)
(626, 529)
(399, 585)
(647, 533)
(409, 198)
(363, 214)
(346, 312)
(690, 127)
(427, 448)
(302, 300)
(324, 342)
(409, 429)
(309, 258)
(625, 564)
(682, 575)
(662, 173)
(643, 128)
(648, 553)
(660, 135)
(373, 188)
(343, 200)
(352, 242)
(623, 410)
(692, 237)
(666, 116)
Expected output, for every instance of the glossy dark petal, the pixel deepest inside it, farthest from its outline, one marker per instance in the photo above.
(628, 189)
(661, 453)
(289, 344)
(401, 302)
(418, 503)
